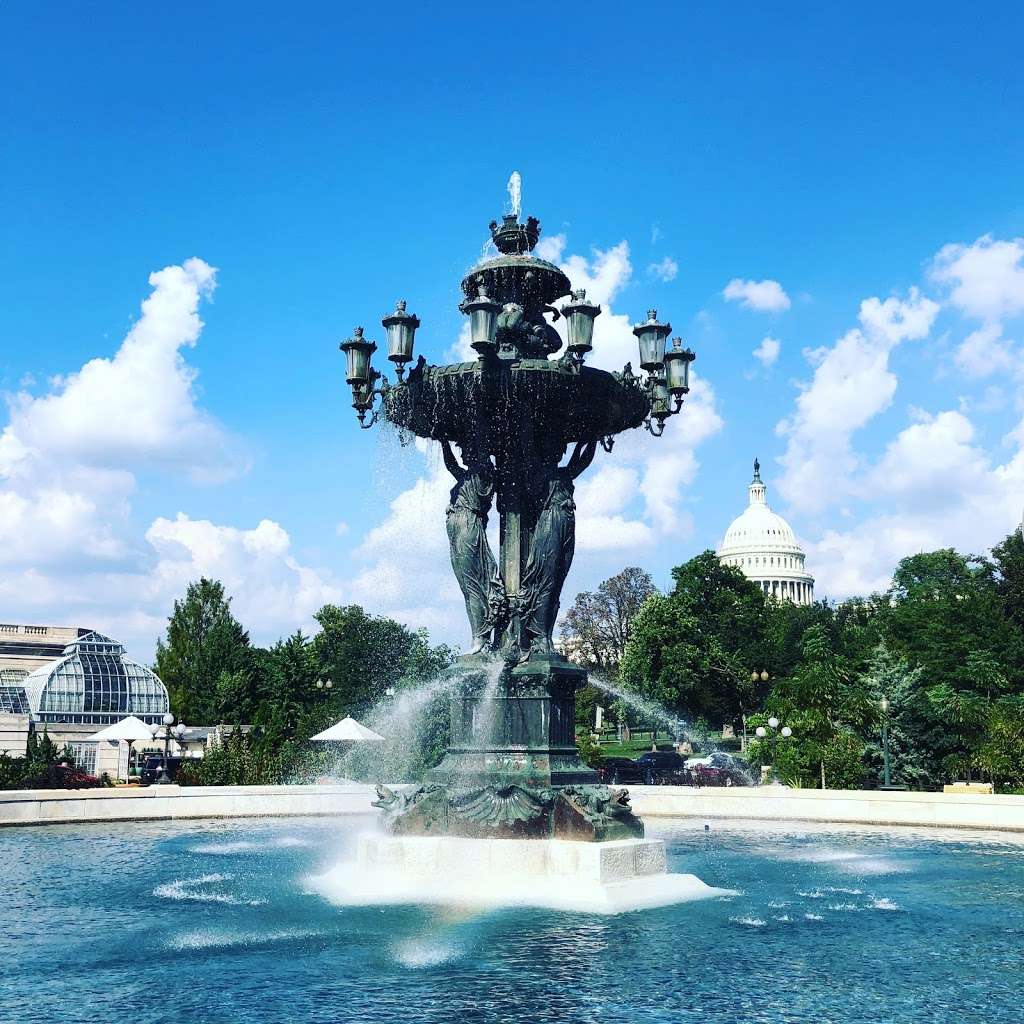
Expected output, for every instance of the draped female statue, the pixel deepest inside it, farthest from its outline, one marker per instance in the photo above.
(472, 560)
(551, 551)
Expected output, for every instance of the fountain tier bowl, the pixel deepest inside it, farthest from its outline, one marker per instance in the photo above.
(602, 878)
(538, 400)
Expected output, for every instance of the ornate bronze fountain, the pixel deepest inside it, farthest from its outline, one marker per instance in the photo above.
(512, 768)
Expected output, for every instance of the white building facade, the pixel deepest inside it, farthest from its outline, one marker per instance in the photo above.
(763, 546)
(72, 682)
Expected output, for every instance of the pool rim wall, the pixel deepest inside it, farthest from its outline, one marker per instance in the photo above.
(851, 807)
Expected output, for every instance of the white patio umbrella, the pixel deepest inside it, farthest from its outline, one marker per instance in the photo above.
(128, 729)
(347, 730)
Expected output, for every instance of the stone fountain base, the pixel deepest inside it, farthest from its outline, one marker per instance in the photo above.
(603, 878)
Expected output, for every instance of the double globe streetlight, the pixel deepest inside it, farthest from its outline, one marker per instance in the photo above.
(773, 736)
(169, 730)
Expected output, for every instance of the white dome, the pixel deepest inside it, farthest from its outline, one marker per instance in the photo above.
(762, 544)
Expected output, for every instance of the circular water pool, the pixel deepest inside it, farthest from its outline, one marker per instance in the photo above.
(215, 922)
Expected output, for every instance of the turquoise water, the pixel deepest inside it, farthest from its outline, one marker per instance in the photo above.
(212, 922)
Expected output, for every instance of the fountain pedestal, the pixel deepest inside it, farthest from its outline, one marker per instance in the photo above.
(609, 877)
(512, 769)
(516, 729)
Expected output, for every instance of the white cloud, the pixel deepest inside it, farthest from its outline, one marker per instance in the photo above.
(768, 351)
(852, 383)
(137, 407)
(550, 248)
(934, 484)
(987, 277)
(272, 592)
(70, 550)
(665, 269)
(985, 351)
(765, 296)
(935, 487)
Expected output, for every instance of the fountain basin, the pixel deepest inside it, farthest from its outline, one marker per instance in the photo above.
(602, 878)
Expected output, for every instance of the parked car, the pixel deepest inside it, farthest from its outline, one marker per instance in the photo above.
(618, 770)
(719, 769)
(664, 768)
(153, 767)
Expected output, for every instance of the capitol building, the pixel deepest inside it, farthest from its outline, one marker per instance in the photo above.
(761, 544)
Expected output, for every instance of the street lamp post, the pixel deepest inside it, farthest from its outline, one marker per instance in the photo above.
(755, 678)
(773, 738)
(169, 728)
(887, 782)
(885, 742)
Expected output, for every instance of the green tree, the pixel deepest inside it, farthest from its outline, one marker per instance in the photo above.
(364, 655)
(1000, 754)
(599, 623)
(204, 642)
(911, 723)
(942, 608)
(828, 710)
(1008, 565)
(693, 649)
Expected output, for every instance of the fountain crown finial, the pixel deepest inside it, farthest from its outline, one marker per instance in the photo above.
(513, 238)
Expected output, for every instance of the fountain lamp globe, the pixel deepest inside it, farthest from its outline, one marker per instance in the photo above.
(168, 718)
(483, 322)
(179, 730)
(760, 732)
(357, 354)
(401, 327)
(677, 369)
(786, 732)
(651, 337)
(579, 317)
(773, 722)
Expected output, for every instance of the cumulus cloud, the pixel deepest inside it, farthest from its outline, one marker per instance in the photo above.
(68, 458)
(985, 352)
(986, 278)
(935, 483)
(70, 549)
(768, 351)
(137, 407)
(852, 383)
(935, 486)
(764, 296)
(665, 269)
(271, 590)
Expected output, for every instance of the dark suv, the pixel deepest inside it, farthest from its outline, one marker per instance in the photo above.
(617, 770)
(663, 768)
(153, 767)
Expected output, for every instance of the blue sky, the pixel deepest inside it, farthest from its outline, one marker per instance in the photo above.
(328, 160)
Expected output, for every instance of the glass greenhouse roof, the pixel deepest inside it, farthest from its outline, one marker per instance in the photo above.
(13, 699)
(94, 682)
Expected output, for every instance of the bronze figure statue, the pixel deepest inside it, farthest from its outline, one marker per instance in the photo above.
(472, 559)
(551, 551)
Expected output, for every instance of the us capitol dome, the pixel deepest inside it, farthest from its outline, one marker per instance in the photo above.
(763, 546)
